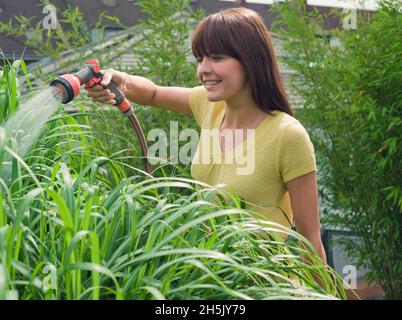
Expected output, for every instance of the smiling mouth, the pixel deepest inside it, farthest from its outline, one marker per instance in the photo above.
(212, 84)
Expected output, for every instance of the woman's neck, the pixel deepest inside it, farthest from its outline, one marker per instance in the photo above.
(246, 115)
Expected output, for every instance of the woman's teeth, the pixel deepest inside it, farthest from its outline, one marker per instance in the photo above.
(213, 83)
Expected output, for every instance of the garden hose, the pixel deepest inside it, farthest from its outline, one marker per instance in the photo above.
(68, 85)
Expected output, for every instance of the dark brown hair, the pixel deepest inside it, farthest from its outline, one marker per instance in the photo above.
(241, 34)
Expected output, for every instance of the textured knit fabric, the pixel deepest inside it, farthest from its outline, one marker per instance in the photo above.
(280, 146)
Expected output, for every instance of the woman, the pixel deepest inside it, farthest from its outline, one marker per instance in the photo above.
(242, 91)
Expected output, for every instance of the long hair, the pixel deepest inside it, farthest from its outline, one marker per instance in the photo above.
(241, 34)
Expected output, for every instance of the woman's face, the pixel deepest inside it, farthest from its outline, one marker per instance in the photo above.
(223, 68)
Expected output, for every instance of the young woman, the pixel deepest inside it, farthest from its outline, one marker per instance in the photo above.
(241, 90)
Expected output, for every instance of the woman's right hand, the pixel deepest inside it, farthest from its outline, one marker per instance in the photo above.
(99, 93)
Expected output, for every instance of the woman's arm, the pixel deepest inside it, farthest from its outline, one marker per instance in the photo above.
(142, 91)
(304, 201)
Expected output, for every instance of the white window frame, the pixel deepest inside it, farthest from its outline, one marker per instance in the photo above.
(369, 5)
(257, 1)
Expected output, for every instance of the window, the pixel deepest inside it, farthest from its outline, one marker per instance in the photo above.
(257, 1)
(371, 5)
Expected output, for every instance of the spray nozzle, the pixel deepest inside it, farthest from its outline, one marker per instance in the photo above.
(69, 85)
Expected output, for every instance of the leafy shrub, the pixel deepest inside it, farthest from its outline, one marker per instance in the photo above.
(72, 32)
(10, 89)
(163, 54)
(352, 106)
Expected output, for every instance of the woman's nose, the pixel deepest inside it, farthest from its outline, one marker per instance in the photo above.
(204, 66)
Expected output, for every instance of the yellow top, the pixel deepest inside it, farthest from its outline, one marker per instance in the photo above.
(277, 151)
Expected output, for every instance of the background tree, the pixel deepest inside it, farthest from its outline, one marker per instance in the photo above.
(352, 108)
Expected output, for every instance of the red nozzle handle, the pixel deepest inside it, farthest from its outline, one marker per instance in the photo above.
(121, 102)
(94, 64)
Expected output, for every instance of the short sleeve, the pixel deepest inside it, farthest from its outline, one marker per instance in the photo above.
(198, 103)
(296, 153)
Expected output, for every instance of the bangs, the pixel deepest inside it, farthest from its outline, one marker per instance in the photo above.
(213, 36)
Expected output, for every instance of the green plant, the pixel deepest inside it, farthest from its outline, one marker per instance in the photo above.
(162, 54)
(10, 88)
(353, 107)
(73, 225)
(165, 54)
(72, 31)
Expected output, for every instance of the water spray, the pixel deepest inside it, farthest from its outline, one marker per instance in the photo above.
(68, 87)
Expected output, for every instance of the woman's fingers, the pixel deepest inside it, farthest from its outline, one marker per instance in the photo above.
(98, 93)
(112, 102)
(94, 88)
(107, 77)
(109, 97)
(101, 96)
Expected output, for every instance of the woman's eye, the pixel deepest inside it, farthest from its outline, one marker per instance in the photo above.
(199, 60)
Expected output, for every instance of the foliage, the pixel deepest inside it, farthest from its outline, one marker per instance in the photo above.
(73, 225)
(72, 31)
(163, 54)
(10, 89)
(352, 106)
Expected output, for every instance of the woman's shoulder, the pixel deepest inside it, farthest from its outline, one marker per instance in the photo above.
(283, 122)
(283, 129)
(290, 131)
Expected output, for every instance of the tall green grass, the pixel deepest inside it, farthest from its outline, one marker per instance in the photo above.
(75, 225)
(10, 87)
